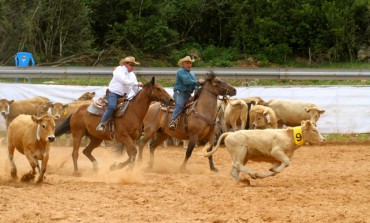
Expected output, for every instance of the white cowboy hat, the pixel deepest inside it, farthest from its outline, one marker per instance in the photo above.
(182, 60)
(129, 59)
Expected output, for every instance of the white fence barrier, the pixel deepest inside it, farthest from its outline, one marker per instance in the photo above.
(347, 108)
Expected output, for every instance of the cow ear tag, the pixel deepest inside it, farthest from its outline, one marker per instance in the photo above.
(298, 137)
(65, 111)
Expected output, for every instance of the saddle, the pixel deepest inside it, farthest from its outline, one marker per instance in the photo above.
(98, 106)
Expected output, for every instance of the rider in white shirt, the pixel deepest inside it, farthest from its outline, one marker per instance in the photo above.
(123, 82)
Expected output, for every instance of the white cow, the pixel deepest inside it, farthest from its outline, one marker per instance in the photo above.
(262, 117)
(275, 146)
(291, 112)
(236, 112)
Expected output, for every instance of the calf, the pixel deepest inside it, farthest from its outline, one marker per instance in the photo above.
(87, 96)
(275, 146)
(236, 111)
(31, 136)
(262, 117)
(10, 109)
(291, 112)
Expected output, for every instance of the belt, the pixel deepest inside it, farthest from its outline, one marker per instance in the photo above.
(108, 91)
(186, 92)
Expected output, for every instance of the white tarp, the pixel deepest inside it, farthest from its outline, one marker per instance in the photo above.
(347, 108)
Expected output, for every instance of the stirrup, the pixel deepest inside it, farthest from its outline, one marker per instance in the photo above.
(101, 127)
(172, 125)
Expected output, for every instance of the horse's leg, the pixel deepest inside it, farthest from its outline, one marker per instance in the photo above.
(131, 152)
(160, 138)
(210, 158)
(142, 142)
(192, 141)
(76, 142)
(94, 142)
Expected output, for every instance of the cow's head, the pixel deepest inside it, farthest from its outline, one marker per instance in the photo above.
(314, 114)
(45, 127)
(310, 133)
(5, 106)
(262, 119)
(58, 109)
(86, 96)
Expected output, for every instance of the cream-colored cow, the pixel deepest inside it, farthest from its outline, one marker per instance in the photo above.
(262, 117)
(275, 146)
(236, 112)
(291, 112)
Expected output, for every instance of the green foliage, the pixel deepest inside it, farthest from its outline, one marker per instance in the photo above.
(66, 32)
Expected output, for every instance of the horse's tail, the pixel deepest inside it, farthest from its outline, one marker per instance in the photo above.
(64, 127)
(207, 154)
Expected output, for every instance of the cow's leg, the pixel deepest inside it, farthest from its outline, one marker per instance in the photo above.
(31, 175)
(44, 164)
(243, 122)
(185, 144)
(234, 125)
(267, 174)
(94, 142)
(238, 155)
(13, 168)
(279, 155)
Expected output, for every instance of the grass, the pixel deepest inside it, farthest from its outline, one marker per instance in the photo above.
(170, 82)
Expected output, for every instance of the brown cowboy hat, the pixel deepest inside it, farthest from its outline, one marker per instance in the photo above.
(185, 59)
(128, 59)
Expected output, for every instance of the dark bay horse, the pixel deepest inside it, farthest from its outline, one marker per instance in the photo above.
(127, 128)
(198, 124)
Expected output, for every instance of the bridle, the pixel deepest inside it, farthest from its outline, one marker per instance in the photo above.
(220, 85)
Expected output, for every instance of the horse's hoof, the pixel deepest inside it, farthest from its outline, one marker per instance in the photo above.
(27, 177)
(76, 174)
(184, 170)
(244, 182)
(214, 169)
(117, 166)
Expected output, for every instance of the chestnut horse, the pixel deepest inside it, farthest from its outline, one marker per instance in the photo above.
(199, 122)
(127, 128)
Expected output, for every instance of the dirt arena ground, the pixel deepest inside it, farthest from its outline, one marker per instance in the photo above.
(327, 183)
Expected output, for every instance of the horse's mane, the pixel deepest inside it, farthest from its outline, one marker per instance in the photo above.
(209, 78)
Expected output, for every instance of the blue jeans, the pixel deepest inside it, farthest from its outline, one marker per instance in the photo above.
(112, 105)
(180, 98)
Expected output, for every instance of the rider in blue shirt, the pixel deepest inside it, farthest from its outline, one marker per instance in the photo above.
(185, 84)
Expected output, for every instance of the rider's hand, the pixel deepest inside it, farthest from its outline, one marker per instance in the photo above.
(140, 84)
(201, 81)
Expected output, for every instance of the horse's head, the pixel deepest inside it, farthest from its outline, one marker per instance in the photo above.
(218, 86)
(158, 93)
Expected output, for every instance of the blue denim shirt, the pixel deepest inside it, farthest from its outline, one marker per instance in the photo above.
(185, 81)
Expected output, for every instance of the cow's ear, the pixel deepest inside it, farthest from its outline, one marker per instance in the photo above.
(305, 123)
(65, 106)
(11, 101)
(307, 109)
(322, 111)
(34, 118)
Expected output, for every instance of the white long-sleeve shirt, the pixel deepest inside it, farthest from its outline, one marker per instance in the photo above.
(123, 82)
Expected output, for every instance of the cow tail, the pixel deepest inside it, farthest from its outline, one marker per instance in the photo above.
(207, 154)
(64, 127)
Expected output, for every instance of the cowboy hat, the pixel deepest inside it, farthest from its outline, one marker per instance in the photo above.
(185, 59)
(129, 59)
